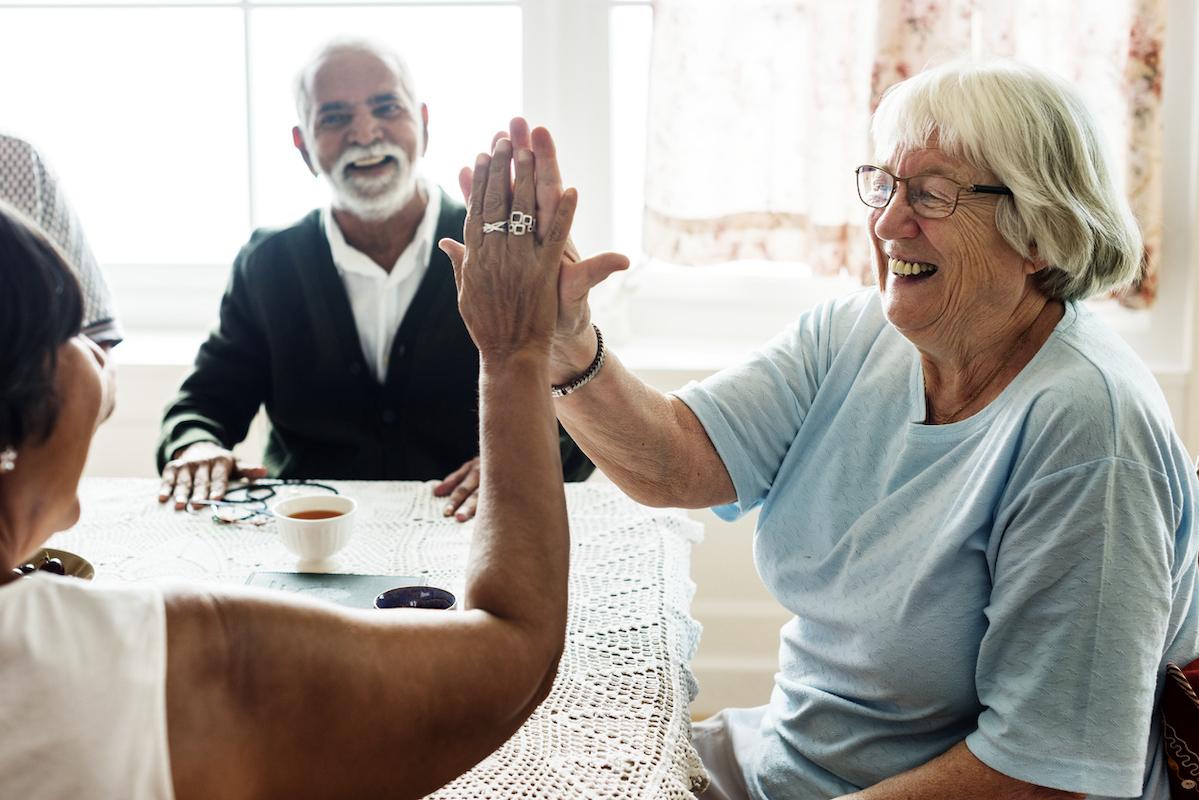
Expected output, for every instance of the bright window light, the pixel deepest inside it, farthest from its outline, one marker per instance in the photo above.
(142, 113)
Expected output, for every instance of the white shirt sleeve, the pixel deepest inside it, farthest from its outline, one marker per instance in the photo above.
(83, 690)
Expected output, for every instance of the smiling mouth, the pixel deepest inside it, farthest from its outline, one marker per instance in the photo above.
(372, 163)
(910, 269)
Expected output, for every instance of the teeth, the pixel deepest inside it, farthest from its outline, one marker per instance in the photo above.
(370, 162)
(898, 267)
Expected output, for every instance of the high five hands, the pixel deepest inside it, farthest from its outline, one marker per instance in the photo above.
(573, 342)
(491, 194)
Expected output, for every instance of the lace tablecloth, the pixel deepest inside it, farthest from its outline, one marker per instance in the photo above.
(616, 724)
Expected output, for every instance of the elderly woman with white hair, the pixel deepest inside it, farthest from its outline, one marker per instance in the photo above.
(971, 494)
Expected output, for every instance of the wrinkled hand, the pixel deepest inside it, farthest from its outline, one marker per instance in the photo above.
(508, 283)
(573, 339)
(462, 485)
(202, 471)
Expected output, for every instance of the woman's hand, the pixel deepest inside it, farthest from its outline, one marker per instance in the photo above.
(574, 342)
(507, 279)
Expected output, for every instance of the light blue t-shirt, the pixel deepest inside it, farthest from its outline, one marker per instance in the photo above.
(1017, 579)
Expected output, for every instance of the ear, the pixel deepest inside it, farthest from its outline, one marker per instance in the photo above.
(1033, 263)
(424, 121)
(297, 138)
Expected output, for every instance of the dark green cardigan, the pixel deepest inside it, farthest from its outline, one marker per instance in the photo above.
(287, 340)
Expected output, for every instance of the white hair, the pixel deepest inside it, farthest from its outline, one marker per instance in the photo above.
(1035, 134)
(302, 86)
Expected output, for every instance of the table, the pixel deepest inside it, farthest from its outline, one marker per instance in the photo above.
(616, 724)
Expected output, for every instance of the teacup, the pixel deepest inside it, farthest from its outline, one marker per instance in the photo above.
(315, 526)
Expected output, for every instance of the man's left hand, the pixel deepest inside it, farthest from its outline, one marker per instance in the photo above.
(462, 485)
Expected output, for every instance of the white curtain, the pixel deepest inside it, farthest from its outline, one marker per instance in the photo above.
(759, 111)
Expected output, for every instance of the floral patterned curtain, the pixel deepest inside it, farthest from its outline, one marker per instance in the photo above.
(759, 110)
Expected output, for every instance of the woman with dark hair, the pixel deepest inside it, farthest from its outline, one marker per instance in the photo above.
(40, 308)
(135, 691)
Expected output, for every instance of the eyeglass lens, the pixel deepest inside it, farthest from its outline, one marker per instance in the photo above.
(929, 195)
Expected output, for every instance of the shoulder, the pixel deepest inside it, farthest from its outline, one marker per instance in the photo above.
(1089, 397)
(60, 639)
(72, 605)
(109, 630)
(276, 247)
(13, 148)
(23, 175)
(844, 327)
(1089, 372)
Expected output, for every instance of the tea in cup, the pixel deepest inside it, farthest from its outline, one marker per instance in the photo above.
(315, 527)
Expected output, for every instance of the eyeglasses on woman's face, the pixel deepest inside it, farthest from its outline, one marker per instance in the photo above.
(930, 196)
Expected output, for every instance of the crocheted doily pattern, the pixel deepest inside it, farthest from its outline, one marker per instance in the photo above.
(616, 724)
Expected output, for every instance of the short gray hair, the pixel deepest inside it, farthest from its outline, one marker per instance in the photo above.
(301, 88)
(1035, 134)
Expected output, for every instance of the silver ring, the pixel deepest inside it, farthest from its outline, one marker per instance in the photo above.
(493, 227)
(519, 223)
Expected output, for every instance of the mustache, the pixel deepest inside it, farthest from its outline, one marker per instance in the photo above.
(357, 152)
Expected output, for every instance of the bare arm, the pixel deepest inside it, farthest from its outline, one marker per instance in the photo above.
(956, 775)
(649, 444)
(272, 697)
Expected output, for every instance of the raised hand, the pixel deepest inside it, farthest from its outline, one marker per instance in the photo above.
(574, 342)
(507, 279)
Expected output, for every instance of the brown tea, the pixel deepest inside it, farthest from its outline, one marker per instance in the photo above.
(316, 513)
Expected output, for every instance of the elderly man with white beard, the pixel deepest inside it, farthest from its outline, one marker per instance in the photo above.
(345, 324)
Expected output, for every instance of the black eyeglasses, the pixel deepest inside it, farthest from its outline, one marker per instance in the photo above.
(248, 503)
(930, 196)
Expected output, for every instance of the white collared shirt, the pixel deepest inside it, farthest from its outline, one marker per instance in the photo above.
(379, 299)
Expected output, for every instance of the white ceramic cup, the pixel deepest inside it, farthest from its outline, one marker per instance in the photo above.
(315, 539)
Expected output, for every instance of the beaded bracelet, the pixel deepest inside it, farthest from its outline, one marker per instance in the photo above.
(561, 390)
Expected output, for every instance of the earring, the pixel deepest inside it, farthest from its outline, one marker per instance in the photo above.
(8, 459)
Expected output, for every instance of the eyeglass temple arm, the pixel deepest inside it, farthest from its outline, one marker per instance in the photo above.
(990, 189)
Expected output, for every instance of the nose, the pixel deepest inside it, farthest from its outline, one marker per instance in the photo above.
(896, 220)
(108, 381)
(365, 128)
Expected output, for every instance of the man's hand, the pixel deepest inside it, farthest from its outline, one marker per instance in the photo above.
(202, 471)
(462, 485)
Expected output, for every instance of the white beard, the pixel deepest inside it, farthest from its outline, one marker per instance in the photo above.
(372, 198)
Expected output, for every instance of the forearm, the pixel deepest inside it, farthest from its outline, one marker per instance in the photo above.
(956, 775)
(216, 403)
(647, 443)
(521, 548)
(230, 381)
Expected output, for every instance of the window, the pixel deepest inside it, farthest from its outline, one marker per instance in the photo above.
(707, 315)
(170, 124)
